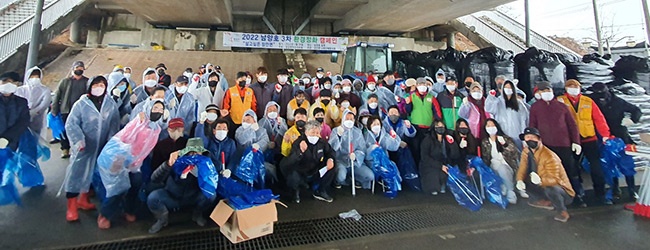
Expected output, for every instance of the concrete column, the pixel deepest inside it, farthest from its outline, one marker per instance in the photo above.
(34, 45)
(451, 40)
(75, 31)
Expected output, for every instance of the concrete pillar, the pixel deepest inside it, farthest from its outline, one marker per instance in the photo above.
(34, 45)
(75, 31)
(451, 40)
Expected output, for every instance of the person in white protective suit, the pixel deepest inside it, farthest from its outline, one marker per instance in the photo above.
(149, 84)
(92, 121)
(38, 98)
(377, 136)
(118, 88)
(251, 134)
(183, 103)
(509, 111)
(341, 139)
(275, 127)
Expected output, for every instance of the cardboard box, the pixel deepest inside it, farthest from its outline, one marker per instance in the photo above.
(243, 225)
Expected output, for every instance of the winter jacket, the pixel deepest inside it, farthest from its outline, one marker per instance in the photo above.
(283, 97)
(555, 124)
(309, 162)
(510, 153)
(181, 189)
(614, 111)
(14, 119)
(549, 168)
(423, 109)
(587, 116)
(216, 147)
(332, 112)
(64, 97)
(449, 105)
(432, 154)
(291, 108)
(263, 95)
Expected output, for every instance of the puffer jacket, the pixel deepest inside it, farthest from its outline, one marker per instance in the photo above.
(510, 152)
(549, 169)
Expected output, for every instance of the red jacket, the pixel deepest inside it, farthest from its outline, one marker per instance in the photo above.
(598, 118)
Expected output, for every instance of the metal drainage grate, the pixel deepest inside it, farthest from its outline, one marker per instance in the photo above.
(288, 234)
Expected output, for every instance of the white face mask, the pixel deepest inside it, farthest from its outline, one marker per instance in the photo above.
(262, 78)
(248, 81)
(327, 86)
(371, 87)
(212, 116)
(246, 125)
(376, 129)
(283, 79)
(319, 75)
(347, 89)
(336, 91)
(477, 95)
(175, 135)
(491, 130)
(573, 91)
(8, 88)
(440, 80)
(181, 89)
(538, 96)
(547, 96)
(450, 87)
(364, 121)
(508, 92)
(348, 124)
(34, 81)
(97, 91)
(313, 139)
(422, 89)
(345, 104)
(150, 83)
(306, 81)
(188, 75)
(373, 105)
(221, 134)
(272, 115)
(127, 75)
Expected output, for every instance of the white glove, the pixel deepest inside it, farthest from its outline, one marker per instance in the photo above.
(333, 102)
(353, 156)
(278, 88)
(534, 178)
(3, 143)
(203, 117)
(80, 146)
(465, 101)
(402, 144)
(166, 114)
(256, 146)
(172, 103)
(501, 140)
(117, 92)
(521, 185)
(255, 126)
(576, 148)
(134, 99)
(407, 123)
(463, 143)
(373, 147)
(340, 131)
(226, 173)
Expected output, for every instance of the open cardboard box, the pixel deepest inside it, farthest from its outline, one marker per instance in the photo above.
(243, 225)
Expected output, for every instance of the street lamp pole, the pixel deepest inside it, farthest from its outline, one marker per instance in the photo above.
(598, 33)
(647, 23)
(527, 14)
(32, 53)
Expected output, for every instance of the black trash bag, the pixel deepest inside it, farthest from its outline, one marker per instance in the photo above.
(448, 60)
(486, 64)
(633, 68)
(408, 57)
(536, 65)
(415, 71)
(590, 69)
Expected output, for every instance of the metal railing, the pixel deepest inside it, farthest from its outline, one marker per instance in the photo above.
(20, 34)
(492, 34)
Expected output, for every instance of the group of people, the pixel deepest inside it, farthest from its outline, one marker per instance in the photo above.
(316, 131)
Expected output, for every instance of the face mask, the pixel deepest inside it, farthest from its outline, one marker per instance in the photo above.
(122, 88)
(450, 87)
(283, 79)
(463, 131)
(376, 129)
(467, 84)
(301, 124)
(175, 135)
(358, 87)
(390, 81)
(150, 83)
(371, 87)
(262, 78)
(33, 81)
(155, 116)
(325, 102)
(312, 139)
(547, 96)
(306, 81)
(291, 73)
(246, 125)
(213, 83)
(348, 124)
(127, 75)
(78, 72)
(181, 89)
(242, 84)
(422, 89)
(491, 130)
(532, 144)
(320, 119)
(364, 121)
(301, 87)
(319, 75)
(327, 86)
(347, 89)
(300, 101)
(538, 96)
(97, 91)
(8, 88)
(477, 95)
(508, 92)
(440, 80)
(248, 81)
(272, 115)
(188, 75)
(161, 72)
(336, 91)
(573, 91)
(440, 130)
(212, 116)
(220, 135)
(394, 118)
(373, 105)
(345, 104)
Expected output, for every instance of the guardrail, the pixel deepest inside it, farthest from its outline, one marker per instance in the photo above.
(17, 36)
(491, 34)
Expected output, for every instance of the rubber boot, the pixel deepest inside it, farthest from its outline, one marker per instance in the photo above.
(72, 214)
(162, 219)
(84, 202)
(103, 222)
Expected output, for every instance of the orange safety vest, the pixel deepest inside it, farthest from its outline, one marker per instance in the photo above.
(583, 116)
(237, 106)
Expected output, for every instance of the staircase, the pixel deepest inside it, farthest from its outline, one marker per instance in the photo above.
(297, 61)
(16, 12)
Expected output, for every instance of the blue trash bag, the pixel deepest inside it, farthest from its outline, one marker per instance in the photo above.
(406, 166)
(229, 187)
(251, 167)
(386, 171)
(623, 162)
(491, 182)
(465, 193)
(8, 190)
(112, 167)
(207, 173)
(55, 123)
(251, 199)
(30, 149)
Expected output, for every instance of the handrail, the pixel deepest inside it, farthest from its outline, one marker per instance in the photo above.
(20, 34)
(6, 3)
(491, 34)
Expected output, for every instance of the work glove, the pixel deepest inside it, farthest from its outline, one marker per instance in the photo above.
(465, 101)
(256, 146)
(534, 178)
(226, 173)
(172, 103)
(463, 143)
(501, 140)
(134, 99)
(576, 148)
(402, 144)
(353, 156)
(80, 146)
(521, 185)
(3, 143)
(493, 93)
(255, 126)
(407, 123)
(165, 115)
(340, 131)
(203, 117)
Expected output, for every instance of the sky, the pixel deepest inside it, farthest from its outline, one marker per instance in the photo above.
(575, 18)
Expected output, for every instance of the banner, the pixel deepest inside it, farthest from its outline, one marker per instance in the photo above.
(271, 41)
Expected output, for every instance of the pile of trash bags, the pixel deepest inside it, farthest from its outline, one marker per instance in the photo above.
(486, 64)
(204, 170)
(536, 65)
(386, 172)
(633, 68)
(415, 64)
(590, 69)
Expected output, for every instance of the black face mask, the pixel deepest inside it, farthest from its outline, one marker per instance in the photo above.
(326, 102)
(301, 124)
(242, 83)
(78, 72)
(463, 131)
(358, 87)
(532, 144)
(394, 118)
(290, 73)
(213, 83)
(320, 119)
(155, 116)
(467, 84)
(440, 130)
(161, 72)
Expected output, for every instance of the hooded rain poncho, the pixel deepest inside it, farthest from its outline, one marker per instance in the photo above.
(38, 98)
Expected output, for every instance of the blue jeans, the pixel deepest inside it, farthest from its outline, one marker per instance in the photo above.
(128, 201)
(160, 201)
